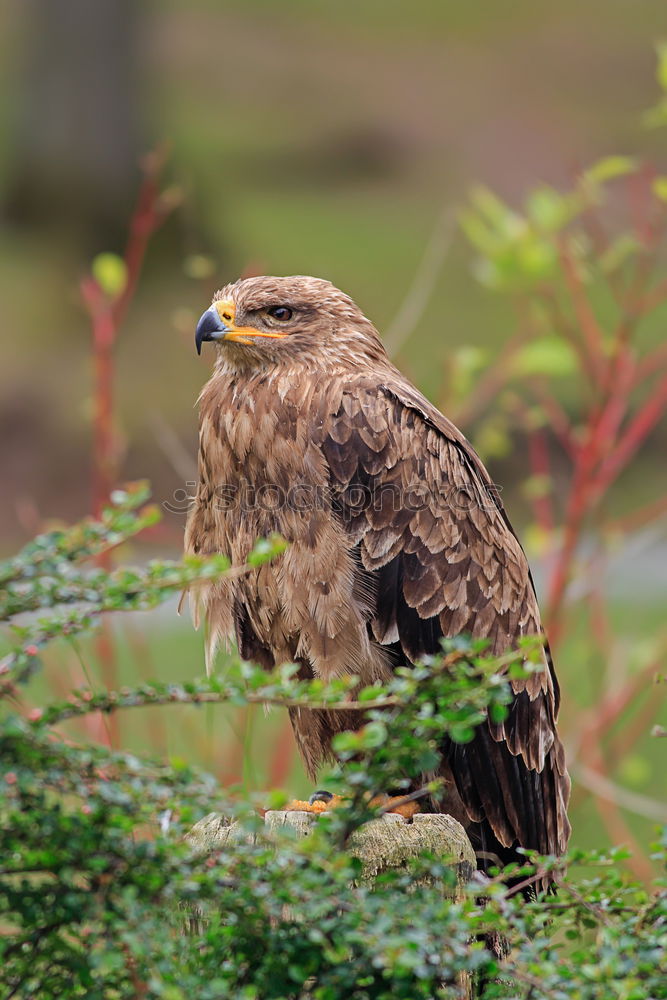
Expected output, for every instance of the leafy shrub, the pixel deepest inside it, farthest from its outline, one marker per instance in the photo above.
(97, 878)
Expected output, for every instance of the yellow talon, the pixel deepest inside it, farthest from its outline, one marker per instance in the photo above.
(300, 805)
(405, 809)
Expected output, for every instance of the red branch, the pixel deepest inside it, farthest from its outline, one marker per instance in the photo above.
(106, 316)
(605, 445)
(606, 448)
(592, 336)
(557, 417)
(634, 436)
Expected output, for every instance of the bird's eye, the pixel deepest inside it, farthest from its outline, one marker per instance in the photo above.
(282, 313)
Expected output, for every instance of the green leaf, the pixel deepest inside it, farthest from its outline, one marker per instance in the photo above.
(110, 273)
(478, 232)
(619, 251)
(549, 210)
(536, 486)
(492, 439)
(634, 770)
(498, 214)
(547, 356)
(659, 187)
(656, 117)
(374, 734)
(469, 360)
(276, 799)
(611, 167)
(199, 267)
(537, 258)
(266, 549)
(497, 712)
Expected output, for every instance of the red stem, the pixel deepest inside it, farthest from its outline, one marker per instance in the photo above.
(639, 428)
(566, 328)
(591, 332)
(282, 756)
(106, 316)
(591, 480)
(558, 418)
(652, 363)
(148, 215)
(638, 518)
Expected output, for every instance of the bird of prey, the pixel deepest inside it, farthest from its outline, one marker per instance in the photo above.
(395, 536)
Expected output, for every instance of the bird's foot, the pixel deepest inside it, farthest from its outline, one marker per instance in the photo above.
(318, 802)
(396, 804)
(321, 801)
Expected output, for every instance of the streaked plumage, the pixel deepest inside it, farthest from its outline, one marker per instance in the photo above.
(313, 404)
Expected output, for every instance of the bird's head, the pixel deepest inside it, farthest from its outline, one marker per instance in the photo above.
(268, 321)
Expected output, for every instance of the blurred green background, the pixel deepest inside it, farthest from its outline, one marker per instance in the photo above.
(302, 138)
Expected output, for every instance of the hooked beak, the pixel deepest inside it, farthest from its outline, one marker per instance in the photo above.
(218, 323)
(209, 327)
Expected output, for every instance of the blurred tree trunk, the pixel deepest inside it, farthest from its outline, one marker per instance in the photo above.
(77, 126)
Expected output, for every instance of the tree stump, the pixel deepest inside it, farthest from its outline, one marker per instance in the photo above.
(381, 845)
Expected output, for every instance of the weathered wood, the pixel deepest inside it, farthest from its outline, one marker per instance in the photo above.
(381, 844)
(389, 842)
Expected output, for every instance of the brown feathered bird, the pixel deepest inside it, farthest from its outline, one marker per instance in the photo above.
(396, 539)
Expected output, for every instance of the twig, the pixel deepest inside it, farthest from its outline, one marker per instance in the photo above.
(423, 283)
(596, 911)
(110, 703)
(638, 518)
(605, 788)
(526, 883)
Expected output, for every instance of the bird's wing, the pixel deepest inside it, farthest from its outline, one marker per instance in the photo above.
(431, 534)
